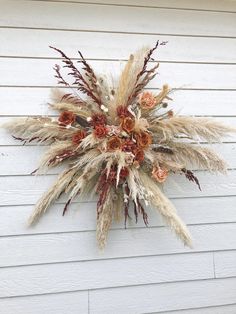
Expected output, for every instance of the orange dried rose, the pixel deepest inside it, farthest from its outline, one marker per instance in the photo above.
(100, 131)
(147, 100)
(66, 118)
(127, 124)
(160, 174)
(144, 139)
(78, 136)
(114, 143)
(98, 119)
(139, 155)
(122, 111)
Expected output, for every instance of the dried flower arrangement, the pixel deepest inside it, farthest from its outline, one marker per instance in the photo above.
(119, 143)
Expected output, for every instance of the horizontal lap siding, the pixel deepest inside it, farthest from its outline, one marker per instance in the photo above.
(190, 76)
(55, 267)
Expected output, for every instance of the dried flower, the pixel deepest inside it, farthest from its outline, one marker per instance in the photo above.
(170, 113)
(160, 174)
(122, 112)
(144, 139)
(128, 145)
(114, 143)
(66, 118)
(100, 131)
(78, 136)
(147, 100)
(124, 172)
(128, 124)
(139, 155)
(98, 119)
(113, 130)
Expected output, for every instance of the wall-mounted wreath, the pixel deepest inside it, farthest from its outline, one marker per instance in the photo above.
(119, 142)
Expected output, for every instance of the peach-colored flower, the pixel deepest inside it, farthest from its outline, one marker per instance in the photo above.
(144, 139)
(128, 124)
(114, 143)
(100, 131)
(78, 136)
(160, 174)
(113, 130)
(147, 100)
(66, 118)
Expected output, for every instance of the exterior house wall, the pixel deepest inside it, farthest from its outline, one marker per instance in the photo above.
(55, 267)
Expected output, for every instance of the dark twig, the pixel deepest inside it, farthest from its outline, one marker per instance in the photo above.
(191, 177)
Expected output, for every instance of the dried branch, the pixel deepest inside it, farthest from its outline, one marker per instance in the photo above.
(80, 81)
(191, 177)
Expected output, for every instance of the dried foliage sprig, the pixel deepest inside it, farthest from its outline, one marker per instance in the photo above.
(119, 143)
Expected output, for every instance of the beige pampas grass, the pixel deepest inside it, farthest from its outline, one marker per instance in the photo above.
(104, 220)
(198, 156)
(158, 200)
(191, 127)
(40, 129)
(52, 194)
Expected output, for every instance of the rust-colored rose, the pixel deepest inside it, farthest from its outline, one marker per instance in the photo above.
(124, 172)
(78, 136)
(100, 131)
(144, 139)
(127, 124)
(66, 118)
(160, 174)
(98, 119)
(147, 100)
(114, 143)
(122, 112)
(128, 146)
(139, 156)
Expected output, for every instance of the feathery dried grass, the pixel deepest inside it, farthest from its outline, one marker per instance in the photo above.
(104, 220)
(52, 194)
(39, 129)
(127, 82)
(195, 155)
(192, 127)
(166, 209)
(53, 153)
(163, 94)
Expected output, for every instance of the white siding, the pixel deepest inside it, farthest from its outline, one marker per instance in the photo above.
(55, 267)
